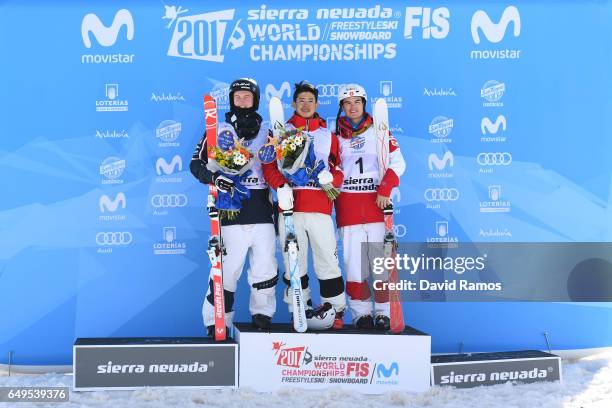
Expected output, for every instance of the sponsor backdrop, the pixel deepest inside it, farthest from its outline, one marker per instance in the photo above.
(104, 228)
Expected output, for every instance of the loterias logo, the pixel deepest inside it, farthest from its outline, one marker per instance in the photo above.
(112, 103)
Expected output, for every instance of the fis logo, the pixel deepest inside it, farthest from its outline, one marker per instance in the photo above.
(433, 22)
(168, 168)
(106, 36)
(495, 32)
(202, 36)
(106, 204)
(486, 126)
(440, 164)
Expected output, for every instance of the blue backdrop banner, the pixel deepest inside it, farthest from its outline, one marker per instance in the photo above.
(104, 229)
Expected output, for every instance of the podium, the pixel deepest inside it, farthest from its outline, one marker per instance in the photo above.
(131, 363)
(369, 362)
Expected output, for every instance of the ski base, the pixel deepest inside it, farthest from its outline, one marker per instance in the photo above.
(215, 244)
(390, 251)
(291, 247)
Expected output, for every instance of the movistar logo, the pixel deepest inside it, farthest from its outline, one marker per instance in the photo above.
(382, 371)
(106, 36)
(440, 163)
(486, 126)
(168, 168)
(495, 32)
(271, 91)
(106, 204)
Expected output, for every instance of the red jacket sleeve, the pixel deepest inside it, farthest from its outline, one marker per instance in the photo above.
(272, 175)
(334, 162)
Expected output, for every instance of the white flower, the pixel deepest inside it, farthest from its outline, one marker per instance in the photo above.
(239, 158)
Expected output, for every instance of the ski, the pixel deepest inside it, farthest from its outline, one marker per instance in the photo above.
(381, 126)
(215, 244)
(277, 123)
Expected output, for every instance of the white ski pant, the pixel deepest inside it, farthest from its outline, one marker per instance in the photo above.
(357, 274)
(258, 241)
(315, 231)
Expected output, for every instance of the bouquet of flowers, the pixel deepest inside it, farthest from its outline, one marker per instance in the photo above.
(297, 160)
(233, 161)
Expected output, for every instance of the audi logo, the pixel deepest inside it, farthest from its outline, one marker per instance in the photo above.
(113, 238)
(329, 90)
(441, 194)
(494, 159)
(169, 200)
(399, 230)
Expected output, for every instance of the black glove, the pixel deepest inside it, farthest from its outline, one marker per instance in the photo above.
(223, 183)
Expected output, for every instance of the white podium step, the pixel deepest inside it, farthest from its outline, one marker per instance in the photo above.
(370, 362)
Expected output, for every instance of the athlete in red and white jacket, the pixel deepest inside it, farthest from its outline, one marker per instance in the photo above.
(311, 207)
(363, 195)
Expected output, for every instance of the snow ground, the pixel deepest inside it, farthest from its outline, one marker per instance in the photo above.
(586, 383)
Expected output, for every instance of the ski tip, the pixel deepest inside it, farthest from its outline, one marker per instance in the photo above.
(299, 328)
(381, 102)
(220, 334)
